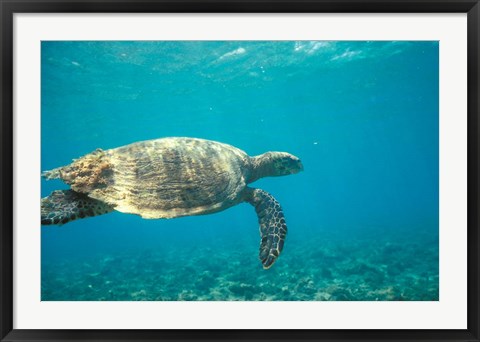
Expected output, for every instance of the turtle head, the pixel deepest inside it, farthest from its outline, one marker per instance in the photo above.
(273, 164)
(283, 163)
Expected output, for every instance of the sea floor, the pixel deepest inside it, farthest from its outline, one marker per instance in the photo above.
(322, 269)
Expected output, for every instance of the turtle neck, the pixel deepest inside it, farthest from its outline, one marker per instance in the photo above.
(261, 166)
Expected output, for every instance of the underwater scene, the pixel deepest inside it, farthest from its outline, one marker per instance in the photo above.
(349, 211)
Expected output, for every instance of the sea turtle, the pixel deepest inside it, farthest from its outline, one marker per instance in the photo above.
(172, 177)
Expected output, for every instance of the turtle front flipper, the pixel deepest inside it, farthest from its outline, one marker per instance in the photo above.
(273, 228)
(63, 206)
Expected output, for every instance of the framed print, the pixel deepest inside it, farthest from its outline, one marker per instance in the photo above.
(239, 170)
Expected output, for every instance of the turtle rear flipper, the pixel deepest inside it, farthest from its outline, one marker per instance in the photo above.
(273, 228)
(63, 206)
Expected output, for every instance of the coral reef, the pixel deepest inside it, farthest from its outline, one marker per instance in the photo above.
(322, 269)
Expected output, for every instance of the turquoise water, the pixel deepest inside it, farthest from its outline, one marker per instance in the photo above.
(362, 216)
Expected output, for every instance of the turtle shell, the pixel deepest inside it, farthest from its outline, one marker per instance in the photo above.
(163, 178)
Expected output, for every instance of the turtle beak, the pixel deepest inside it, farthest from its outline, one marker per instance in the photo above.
(298, 167)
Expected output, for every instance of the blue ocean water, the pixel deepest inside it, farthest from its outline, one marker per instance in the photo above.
(362, 217)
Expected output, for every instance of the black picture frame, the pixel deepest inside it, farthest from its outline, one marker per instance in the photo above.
(10, 7)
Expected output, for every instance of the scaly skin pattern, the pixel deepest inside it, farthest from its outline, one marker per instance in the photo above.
(273, 228)
(63, 206)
